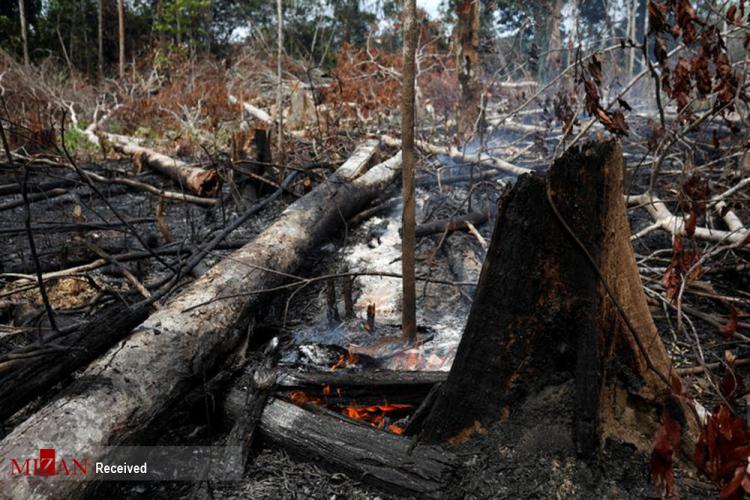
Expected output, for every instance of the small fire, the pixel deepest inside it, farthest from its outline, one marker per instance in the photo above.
(350, 359)
(376, 415)
(301, 397)
(370, 323)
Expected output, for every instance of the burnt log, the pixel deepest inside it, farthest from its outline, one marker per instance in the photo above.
(29, 371)
(560, 297)
(365, 453)
(200, 332)
(263, 382)
(452, 224)
(344, 387)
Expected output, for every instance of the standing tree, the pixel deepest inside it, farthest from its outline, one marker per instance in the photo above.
(467, 37)
(121, 35)
(280, 84)
(100, 38)
(24, 39)
(409, 310)
(554, 48)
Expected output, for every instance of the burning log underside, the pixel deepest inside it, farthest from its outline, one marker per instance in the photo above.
(190, 338)
(344, 389)
(369, 454)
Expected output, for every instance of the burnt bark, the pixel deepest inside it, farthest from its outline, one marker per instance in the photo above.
(345, 387)
(466, 34)
(26, 373)
(543, 313)
(366, 453)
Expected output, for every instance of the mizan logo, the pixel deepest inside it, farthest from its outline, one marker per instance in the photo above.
(48, 465)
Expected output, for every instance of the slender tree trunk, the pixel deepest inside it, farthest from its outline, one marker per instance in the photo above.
(121, 35)
(408, 242)
(631, 29)
(554, 48)
(24, 38)
(467, 38)
(573, 36)
(100, 38)
(280, 88)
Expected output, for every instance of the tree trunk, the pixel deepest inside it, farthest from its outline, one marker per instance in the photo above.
(24, 378)
(188, 339)
(365, 453)
(554, 48)
(408, 238)
(542, 313)
(24, 38)
(197, 180)
(467, 38)
(280, 83)
(100, 39)
(121, 36)
(631, 29)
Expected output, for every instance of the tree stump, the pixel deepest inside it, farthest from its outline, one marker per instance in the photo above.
(542, 314)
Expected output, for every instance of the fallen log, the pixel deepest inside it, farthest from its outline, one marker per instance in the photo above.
(341, 387)
(200, 181)
(365, 453)
(455, 154)
(665, 220)
(189, 339)
(26, 373)
(452, 224)
(560, 298)
(342, 377)
(263, 381)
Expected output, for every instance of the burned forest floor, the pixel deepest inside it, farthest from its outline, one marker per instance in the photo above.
(116, 244)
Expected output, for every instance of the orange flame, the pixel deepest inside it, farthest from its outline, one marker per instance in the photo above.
(350, 359)
(375, 415)
(300, 398)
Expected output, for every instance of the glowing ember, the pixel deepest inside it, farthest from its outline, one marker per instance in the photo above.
(376, 415)
(370, 323)
(350, 359)
(396, 429)
(300, 398)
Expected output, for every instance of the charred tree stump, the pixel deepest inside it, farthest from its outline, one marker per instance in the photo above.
(560, 297)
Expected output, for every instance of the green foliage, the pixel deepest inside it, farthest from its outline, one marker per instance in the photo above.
(68, 29)
(75, 141)
(185, 21)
